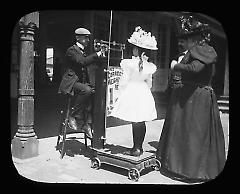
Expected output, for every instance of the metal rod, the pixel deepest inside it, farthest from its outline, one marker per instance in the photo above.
(103, 43)
(112, 43)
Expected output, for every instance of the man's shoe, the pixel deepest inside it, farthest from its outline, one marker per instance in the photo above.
(69, 153)
(72, 123)
(87, 129)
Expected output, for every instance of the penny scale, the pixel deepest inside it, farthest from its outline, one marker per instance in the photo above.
(103, 152)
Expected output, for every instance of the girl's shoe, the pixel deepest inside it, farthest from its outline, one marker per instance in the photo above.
(134, 152)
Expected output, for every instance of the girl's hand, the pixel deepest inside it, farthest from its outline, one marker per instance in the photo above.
(144, 57)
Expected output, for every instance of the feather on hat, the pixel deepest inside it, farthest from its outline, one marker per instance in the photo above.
(189, 26)
(143, 39)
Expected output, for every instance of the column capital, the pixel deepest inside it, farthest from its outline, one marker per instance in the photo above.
(28, 25)
(27, 30)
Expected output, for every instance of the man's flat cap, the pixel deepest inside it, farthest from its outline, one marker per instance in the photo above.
(82, 31)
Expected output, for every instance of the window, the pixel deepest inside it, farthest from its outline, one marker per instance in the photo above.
(49, 62)
(101, 32)
(101, 27)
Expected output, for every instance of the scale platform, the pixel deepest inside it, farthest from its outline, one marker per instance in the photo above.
(113, 155)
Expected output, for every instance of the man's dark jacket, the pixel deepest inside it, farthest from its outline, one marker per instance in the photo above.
(76, 63)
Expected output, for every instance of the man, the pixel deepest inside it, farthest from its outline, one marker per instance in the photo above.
(75, 80)
(175, 76)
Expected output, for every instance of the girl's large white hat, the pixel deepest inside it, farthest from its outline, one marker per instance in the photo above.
(143, 39)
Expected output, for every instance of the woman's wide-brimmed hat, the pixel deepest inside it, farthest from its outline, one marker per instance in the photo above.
(143, 39)
(189, 26)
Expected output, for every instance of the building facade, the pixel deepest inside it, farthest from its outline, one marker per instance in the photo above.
(56, 33)
(40, 40)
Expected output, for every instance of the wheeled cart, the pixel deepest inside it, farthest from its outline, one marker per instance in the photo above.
(134, 165)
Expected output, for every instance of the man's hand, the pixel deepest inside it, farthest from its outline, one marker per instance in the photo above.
(101, 51)
(85, 88)
(173, 63)
(91, 88)
(104, 50)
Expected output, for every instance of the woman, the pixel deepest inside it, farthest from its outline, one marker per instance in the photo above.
(191, 145)
(135, 102)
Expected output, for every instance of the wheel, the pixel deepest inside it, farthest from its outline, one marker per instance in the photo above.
(95, 163)
(157, 166)
(133, 174)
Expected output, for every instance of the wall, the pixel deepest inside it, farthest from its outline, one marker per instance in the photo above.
(160, 80)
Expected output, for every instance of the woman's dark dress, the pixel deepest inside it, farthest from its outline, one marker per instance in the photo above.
(192, 139)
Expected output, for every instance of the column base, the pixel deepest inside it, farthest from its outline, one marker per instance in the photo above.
(25, 150)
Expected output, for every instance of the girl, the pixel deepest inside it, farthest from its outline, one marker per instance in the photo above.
(135, 102)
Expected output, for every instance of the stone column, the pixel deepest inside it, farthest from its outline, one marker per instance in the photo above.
(25, 143)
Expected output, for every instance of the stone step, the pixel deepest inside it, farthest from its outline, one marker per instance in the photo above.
(223, 109)
(223, 98)
(223, 103)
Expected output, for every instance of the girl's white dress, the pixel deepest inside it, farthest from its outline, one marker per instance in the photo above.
(135, 102)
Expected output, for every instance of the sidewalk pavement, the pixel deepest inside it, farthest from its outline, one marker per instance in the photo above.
(47, 167)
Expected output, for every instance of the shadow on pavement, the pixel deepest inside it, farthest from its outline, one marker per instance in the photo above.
(115, 149)
(75, 147)
(47, 107)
